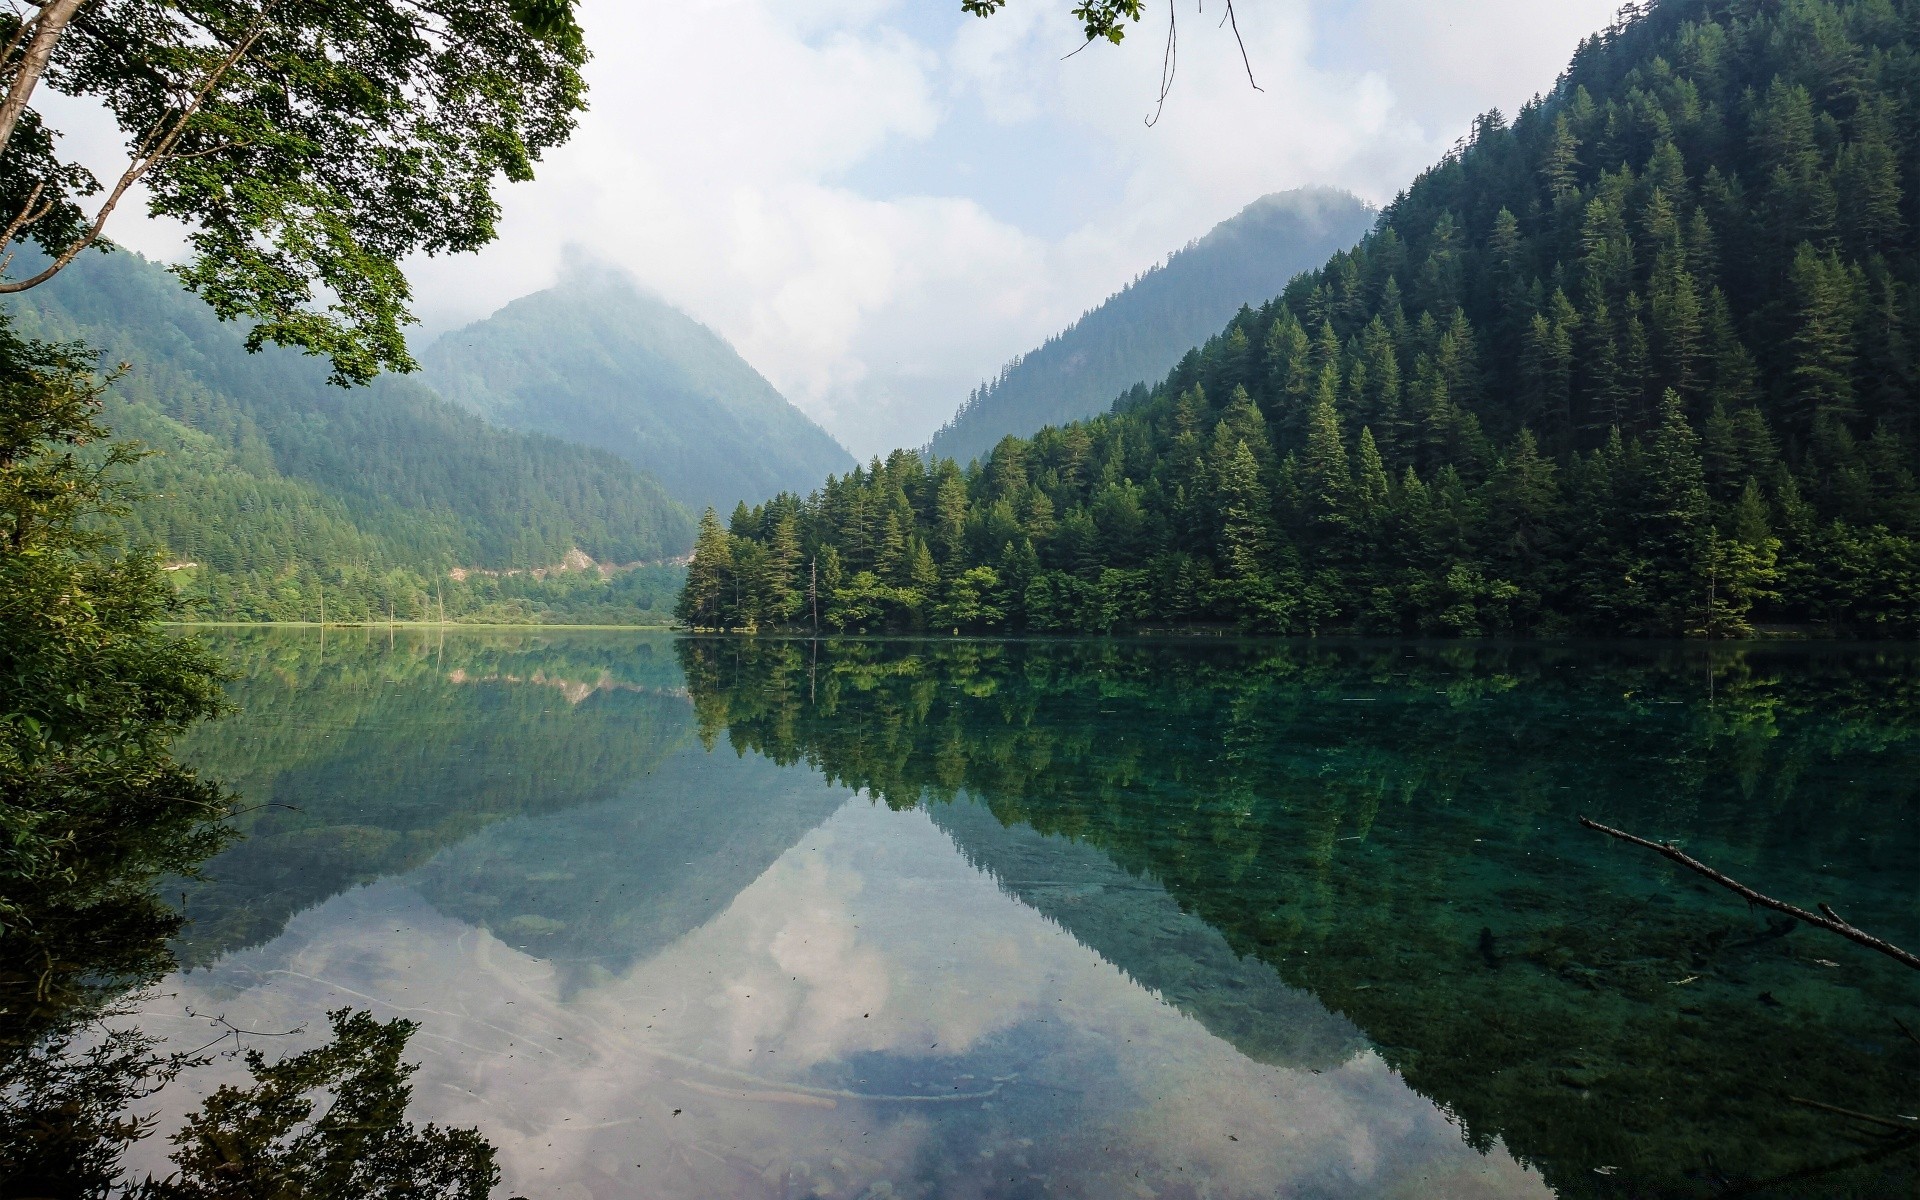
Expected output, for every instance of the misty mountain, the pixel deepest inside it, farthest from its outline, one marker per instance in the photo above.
(1139, 333)
(596, 361)
(279, 488)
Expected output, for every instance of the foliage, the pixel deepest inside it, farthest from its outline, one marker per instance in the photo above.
(1106, 19)
(67, 1109)
(309, 148)
(266, 1141)
(92, 689)
(93, 808)
(70, 1107)
(1535, 399)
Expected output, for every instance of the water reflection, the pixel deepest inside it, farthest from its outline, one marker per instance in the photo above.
(959, 919)
(870, 1015)
(1392, 828)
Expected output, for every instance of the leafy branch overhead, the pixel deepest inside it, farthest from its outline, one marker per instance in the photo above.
(308, 145)
(1102, 18)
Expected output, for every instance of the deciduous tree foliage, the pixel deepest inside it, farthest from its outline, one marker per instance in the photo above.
(308, 145)
(1640, 361)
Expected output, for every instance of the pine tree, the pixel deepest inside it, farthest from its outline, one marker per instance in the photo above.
(1743, 567)
(1668, 512)
(781, 589)
(1326, 479)
(709, 577)
(1823, 343)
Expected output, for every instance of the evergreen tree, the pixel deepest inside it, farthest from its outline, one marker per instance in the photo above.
(1572, 347)
(704, 601)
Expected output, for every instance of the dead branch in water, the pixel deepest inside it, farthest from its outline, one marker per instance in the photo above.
(1831, 921)
(1904, 1126)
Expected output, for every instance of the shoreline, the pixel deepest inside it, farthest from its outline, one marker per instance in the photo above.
(409, 625)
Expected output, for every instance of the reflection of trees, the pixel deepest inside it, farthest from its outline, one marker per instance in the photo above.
(327, 1123)
(1393, 828)
(365, 758)
(381, 777)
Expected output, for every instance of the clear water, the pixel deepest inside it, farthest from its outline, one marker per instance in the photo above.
(694, 918)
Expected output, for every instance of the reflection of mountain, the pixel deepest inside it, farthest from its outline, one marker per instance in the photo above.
(598, 889)
(1392, 827)
(366, 759)
(1134, 924)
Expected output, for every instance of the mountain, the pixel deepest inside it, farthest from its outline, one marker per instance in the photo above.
(285, 493)
(1141, 332)
(598, 362)
(1639, 362)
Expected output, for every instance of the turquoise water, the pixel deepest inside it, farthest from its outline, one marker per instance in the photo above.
(702, 917)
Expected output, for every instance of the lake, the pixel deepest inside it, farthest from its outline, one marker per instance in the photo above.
(756, 917)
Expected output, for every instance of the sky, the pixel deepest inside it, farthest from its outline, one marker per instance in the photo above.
(879, 202)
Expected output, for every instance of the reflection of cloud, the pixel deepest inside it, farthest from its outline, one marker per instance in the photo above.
(871, 959)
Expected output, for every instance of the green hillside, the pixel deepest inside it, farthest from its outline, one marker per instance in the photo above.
(1640, 361)
(1139, 333)
(280, 489)
(597, 362)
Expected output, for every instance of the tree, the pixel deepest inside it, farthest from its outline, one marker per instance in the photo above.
(781, 588)
(969, 603)
(1530, 345)
(309, 147)
(709, 576)
(93, 688)
(1823, 345)
(268, 1139)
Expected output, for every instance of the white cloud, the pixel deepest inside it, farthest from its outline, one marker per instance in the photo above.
(880, 201)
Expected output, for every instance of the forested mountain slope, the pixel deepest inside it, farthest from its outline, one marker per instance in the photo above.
(1640, 361)
(281, 489)
(1140, 332)
(596, 361)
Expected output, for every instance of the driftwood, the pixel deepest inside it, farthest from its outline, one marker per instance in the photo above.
(1831, 921)
(1903, 1125)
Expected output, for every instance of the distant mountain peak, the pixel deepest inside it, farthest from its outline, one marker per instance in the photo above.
(600, 360)
(1141, 331)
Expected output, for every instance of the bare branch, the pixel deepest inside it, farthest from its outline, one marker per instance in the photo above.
(1241, 42)
(1169, 60)
(1830, 922)
(1904, 1125)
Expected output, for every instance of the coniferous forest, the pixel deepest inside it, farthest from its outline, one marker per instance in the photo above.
(1640, 361)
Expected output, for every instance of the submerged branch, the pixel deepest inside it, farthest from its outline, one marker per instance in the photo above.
(1904, 1126)
(1831, 921)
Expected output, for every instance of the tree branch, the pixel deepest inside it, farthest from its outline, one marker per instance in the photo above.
(49, 25)
(1904, 1126)
(1242, 43)
(1832, 921)
(1169, 60)
(154, 150)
